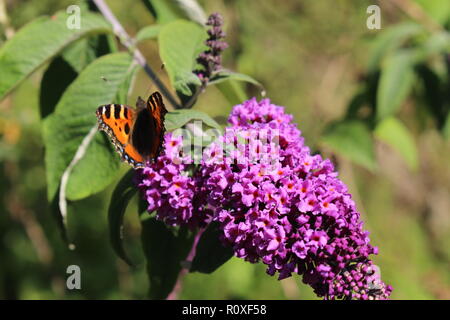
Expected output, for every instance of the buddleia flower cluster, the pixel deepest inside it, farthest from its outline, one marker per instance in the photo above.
(169, 189)
(275, 201)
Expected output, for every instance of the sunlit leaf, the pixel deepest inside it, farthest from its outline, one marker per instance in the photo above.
(353, 140)
(232, 91)
(389, 40)
(123, 92)
(163, 10)
(396, 81)
(180, 42)
(439, 10)
(148, 32)
(394, 133)
(39, 41)
(166, 11)
(65, 68)
(73, 118)
(436, 44)
(83, 51)
(178, 118)
(224, 75)
(191, 10)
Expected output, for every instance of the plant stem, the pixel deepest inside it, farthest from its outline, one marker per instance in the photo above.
(128, 42)
(194, 97)
(185, 269)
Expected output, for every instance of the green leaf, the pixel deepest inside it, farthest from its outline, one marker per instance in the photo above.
(39, 41)
(79, 54)
(82, 52)
(124, 191)
(396, 81)
(446, 128)
(210, 253)
(148, 32)
(163, 10)
(224, 75)
(177, 119)
(123, 92)
(389, 40)
(166, 11)
(100, 165)
(436, 44)
(58, 76)
(72, 120)
(191, 10)
(227, 82)
(65, 68)
(394, 133)
(439, 10)
(351, 139)
(180, 42)
(232, 91)
(165, 248)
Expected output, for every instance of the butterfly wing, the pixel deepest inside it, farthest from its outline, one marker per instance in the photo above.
(137, 135)
(148, 131)
(143, 134)
(156, 105)
(117, 121)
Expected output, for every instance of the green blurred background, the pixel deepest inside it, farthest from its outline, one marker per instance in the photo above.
(310, 56)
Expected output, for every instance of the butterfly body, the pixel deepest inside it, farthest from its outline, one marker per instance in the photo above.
(137, 134)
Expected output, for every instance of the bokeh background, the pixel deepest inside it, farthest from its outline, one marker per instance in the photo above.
(312, 58)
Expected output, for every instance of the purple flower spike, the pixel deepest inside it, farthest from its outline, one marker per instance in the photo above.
(211, 59)
(295, 216)
(215, 20)
(275, 201)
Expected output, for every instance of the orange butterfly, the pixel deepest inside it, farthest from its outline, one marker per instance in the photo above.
(137, 134)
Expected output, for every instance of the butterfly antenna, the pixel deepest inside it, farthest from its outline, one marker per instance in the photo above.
(149, 91)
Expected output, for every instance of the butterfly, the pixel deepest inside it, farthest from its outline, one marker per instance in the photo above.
(137, 133)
